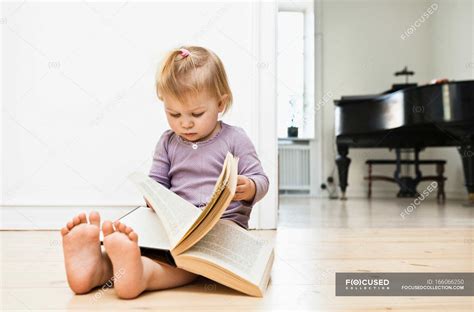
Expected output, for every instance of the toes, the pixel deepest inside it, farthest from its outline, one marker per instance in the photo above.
(133, 236)
(70, 225)
(107, 228)
(76, 220)
(119, 226)
(82, 217)
(64, 231)
(94, 218)
(122, 227)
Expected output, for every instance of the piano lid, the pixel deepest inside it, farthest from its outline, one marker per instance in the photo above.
(446, 102)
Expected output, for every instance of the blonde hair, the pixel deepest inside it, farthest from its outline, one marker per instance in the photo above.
(181, 76)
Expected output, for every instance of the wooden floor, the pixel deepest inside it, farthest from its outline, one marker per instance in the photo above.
(315, 239)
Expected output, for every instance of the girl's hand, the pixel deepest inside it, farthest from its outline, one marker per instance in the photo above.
(245, 189)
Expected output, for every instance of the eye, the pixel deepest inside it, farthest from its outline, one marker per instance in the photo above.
(175, 115)
(198, 115)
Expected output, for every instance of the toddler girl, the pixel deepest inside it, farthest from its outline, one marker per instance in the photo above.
(188, 159)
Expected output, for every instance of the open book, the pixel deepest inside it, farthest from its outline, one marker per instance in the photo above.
(178, 233)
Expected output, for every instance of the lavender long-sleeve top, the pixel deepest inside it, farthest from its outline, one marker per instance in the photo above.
(192, 169)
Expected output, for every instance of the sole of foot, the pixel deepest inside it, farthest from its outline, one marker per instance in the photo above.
(121, 245)
(82, 253)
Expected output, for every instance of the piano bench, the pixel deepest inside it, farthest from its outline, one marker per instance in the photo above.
(439, 177)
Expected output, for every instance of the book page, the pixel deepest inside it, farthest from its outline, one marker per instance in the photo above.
(146, 223)
(176, 214)
(233, 248)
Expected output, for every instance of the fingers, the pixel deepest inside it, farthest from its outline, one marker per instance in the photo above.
(242, 187)
(239, 189)
(242, 183)
(239, 196)
(245, 190)
(241, 179)
(240, 192)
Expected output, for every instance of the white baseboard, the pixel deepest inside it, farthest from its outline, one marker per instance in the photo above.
(387, 193)
(51, 218)
(454, 195)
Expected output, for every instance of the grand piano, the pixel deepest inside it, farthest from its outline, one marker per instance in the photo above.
(408, 116)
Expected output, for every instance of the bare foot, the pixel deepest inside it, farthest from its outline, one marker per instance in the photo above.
(86, 265)
(122, 247)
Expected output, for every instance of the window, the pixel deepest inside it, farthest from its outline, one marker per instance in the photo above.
(295, 81)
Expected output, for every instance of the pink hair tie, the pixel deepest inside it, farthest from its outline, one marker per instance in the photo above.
(184, 52)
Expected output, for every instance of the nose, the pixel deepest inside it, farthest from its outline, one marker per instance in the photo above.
(187, 123)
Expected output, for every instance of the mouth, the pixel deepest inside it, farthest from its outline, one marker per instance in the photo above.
(189, 134)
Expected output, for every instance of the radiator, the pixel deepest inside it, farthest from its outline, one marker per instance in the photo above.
(294, 167)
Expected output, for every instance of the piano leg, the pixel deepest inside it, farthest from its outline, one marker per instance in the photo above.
(407, 184)
(343, 162)
(467, 157)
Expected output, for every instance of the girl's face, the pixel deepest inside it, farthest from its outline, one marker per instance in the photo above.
(195, 120)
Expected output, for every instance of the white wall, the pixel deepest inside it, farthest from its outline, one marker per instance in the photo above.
(452, 47)
(362, 48)
(79, 109)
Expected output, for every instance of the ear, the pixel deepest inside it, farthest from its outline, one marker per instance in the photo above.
(221, 104)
